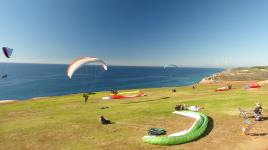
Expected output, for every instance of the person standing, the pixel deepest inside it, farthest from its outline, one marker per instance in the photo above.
(85, 95)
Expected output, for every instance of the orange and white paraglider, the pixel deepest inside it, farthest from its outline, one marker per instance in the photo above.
(78, 63)
(87, 71)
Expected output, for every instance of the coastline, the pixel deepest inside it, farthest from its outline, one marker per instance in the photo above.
(250, 74)
(31, 99)
(46, 97)
(214, 78)
(7, 101)
(51, 80)
(4, 101)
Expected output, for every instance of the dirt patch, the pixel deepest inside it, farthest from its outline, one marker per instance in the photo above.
(225, 134)
(257, 143)
(258, 137)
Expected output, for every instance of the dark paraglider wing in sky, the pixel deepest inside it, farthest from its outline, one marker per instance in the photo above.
(7, 51)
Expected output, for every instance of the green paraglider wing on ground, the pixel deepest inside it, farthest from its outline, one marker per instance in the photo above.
(197, 129)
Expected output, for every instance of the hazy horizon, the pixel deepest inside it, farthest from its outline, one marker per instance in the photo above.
(220, 67)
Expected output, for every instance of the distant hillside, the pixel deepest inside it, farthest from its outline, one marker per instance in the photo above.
(258, 73)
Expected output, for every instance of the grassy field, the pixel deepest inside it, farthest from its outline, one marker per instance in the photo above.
(66, 122)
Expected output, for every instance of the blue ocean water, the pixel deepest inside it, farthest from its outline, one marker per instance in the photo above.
(37, 80)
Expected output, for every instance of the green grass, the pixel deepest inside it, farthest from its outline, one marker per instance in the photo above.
(66, 122)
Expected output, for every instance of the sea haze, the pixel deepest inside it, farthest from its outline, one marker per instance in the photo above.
(39, 80)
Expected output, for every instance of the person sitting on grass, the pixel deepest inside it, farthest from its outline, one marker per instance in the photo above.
(257, 111)
(248, 126)
(102, 120)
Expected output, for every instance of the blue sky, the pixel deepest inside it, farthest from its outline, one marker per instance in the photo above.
(210, 33)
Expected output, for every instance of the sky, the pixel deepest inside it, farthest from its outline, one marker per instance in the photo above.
(193, 33)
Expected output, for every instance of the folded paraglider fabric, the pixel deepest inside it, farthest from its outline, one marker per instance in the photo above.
(118, 96)
(252, 85)
(129, 92)
(222, 89)
(194, 132)
(193, 108)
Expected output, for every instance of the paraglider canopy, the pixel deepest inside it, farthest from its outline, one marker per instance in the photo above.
(7, 51)
(170, 66)
(252, 85)
(75, 65)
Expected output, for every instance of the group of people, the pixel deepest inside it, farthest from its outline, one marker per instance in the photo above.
(194, 86)
(184, 107)
(258, 112)
(247, 122)
(258, 117)
(115, 92)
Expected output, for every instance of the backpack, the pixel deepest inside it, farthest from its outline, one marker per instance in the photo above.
(156, 131)
(179, 107)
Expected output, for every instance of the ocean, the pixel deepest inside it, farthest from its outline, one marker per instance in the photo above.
(26, 81)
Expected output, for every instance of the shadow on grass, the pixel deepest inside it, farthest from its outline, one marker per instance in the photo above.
(209, 127)
(106, 124)
(257, 134)
(91, 93)
(265, 118)
(147, 100)
(104, 107)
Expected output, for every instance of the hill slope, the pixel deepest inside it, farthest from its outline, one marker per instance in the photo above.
(258, 73)
(66, 122)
